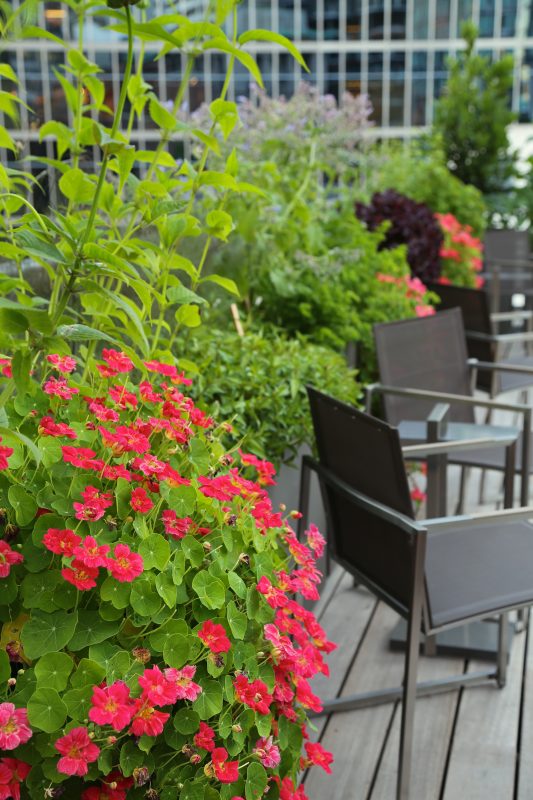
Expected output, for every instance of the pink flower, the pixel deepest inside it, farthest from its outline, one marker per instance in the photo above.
(92, 554)
(125, 440)
(424, 311)
(225, 771)
(147, 720)
(81, 457)
(315, 540)
(265, 470)
(116, 362)
(111, 705)
(175, 527)
(62, 363)
(126, 565)
(12, 773)
(14, 728)
(5, 364)
(48, 427)
(80, 576)
(5, 452)
(140, 501)
(8, 557)
(253, 694)
(214, 637)
(205, 738)
(318, 756)
(183, 679)
(274, 597)
(157, 688)
(268, 752)
(59, 388)
(77, 752)
(61, 542)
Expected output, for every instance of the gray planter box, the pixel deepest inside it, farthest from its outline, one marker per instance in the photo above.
(288, 487)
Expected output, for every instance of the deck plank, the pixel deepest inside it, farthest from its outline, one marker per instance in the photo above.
(345, 619)
(434, 717)
(356, 737)
(483, 756)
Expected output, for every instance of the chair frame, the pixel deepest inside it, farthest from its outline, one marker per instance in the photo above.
(417, 612)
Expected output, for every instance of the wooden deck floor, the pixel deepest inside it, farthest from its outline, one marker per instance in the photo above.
(472, 744)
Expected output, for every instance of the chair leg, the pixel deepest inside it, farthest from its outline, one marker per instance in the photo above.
(465, 474)
(408, 708)
(501, 673)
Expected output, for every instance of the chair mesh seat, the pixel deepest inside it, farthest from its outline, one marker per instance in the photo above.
(471, 571)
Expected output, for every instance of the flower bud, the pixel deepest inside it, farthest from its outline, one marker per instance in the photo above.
(111, 739)
(282, 507)
(295, 514)
(141, 654)
(207, 547)
(244, 558)
(141, 776)
(231, 520)
(12, 682)
(236, 729)
(209, 770)
(195, 758)
(151, 794)
(187, 750)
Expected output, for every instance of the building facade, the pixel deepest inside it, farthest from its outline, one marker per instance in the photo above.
(394, 50)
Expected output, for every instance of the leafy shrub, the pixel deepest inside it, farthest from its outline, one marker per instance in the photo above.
(460, 254)
(411, 224)
(259, 381)
(472, 116)
(145, 597)
(418, 170)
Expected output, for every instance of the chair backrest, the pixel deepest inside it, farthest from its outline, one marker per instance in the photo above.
(475, 306)
(424, 353)
(365, 453)
(506, 245)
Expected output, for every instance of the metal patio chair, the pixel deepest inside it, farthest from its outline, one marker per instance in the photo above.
(438, 573)
(485, 343)
(424, 361)
(508, 268)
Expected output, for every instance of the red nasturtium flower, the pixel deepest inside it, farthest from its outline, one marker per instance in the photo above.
(140, 501)
(125, 565)
(205, 738)
(8, 557)
(226, 771)
(62, 363)
(214, 636)
(111, 705)
(77, 752)
(14, 727)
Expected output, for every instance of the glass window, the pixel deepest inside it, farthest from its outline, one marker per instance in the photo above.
(353, 20)
(420, 21)
(398, 16)
(353, 73)
(397, 84)
(331, 19)
(376, 19)
(442, 19)
(243, 23)
(309, 25)
(509, 17)
(486, 18)
(441, 72)
(264, 61)
(286, 74)
(375, 85)
(286, 18)
(331, 69)
(263, 14)
(418, 100)
(241, 81)
(525, 111)
(197, 84)
(464, 12)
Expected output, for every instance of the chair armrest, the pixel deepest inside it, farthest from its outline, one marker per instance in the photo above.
(440, 448)
(501, 367)
(472, 520)
(396, 518)
(509, 262)
(500, 338)
(507, 316)
(445, 397)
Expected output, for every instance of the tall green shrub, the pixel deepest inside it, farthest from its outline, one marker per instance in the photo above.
(472, 117)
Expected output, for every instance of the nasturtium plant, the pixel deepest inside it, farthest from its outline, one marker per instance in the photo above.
(152, 644)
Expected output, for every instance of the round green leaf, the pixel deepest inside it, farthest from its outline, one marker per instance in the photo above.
(118, 594)
(256, 781)
(130, 758)
(5, 667)
(186, 720)
(238, 621)
(23, 503)
(78, 702)
(155, 551)
(159, 638)
(144, 599)
(211, 591)
(48, 633)
(166, 589)
(210, 702)
(46, 710)
(176, 650)
(92, 629)
(88, 673)
(53, 670)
